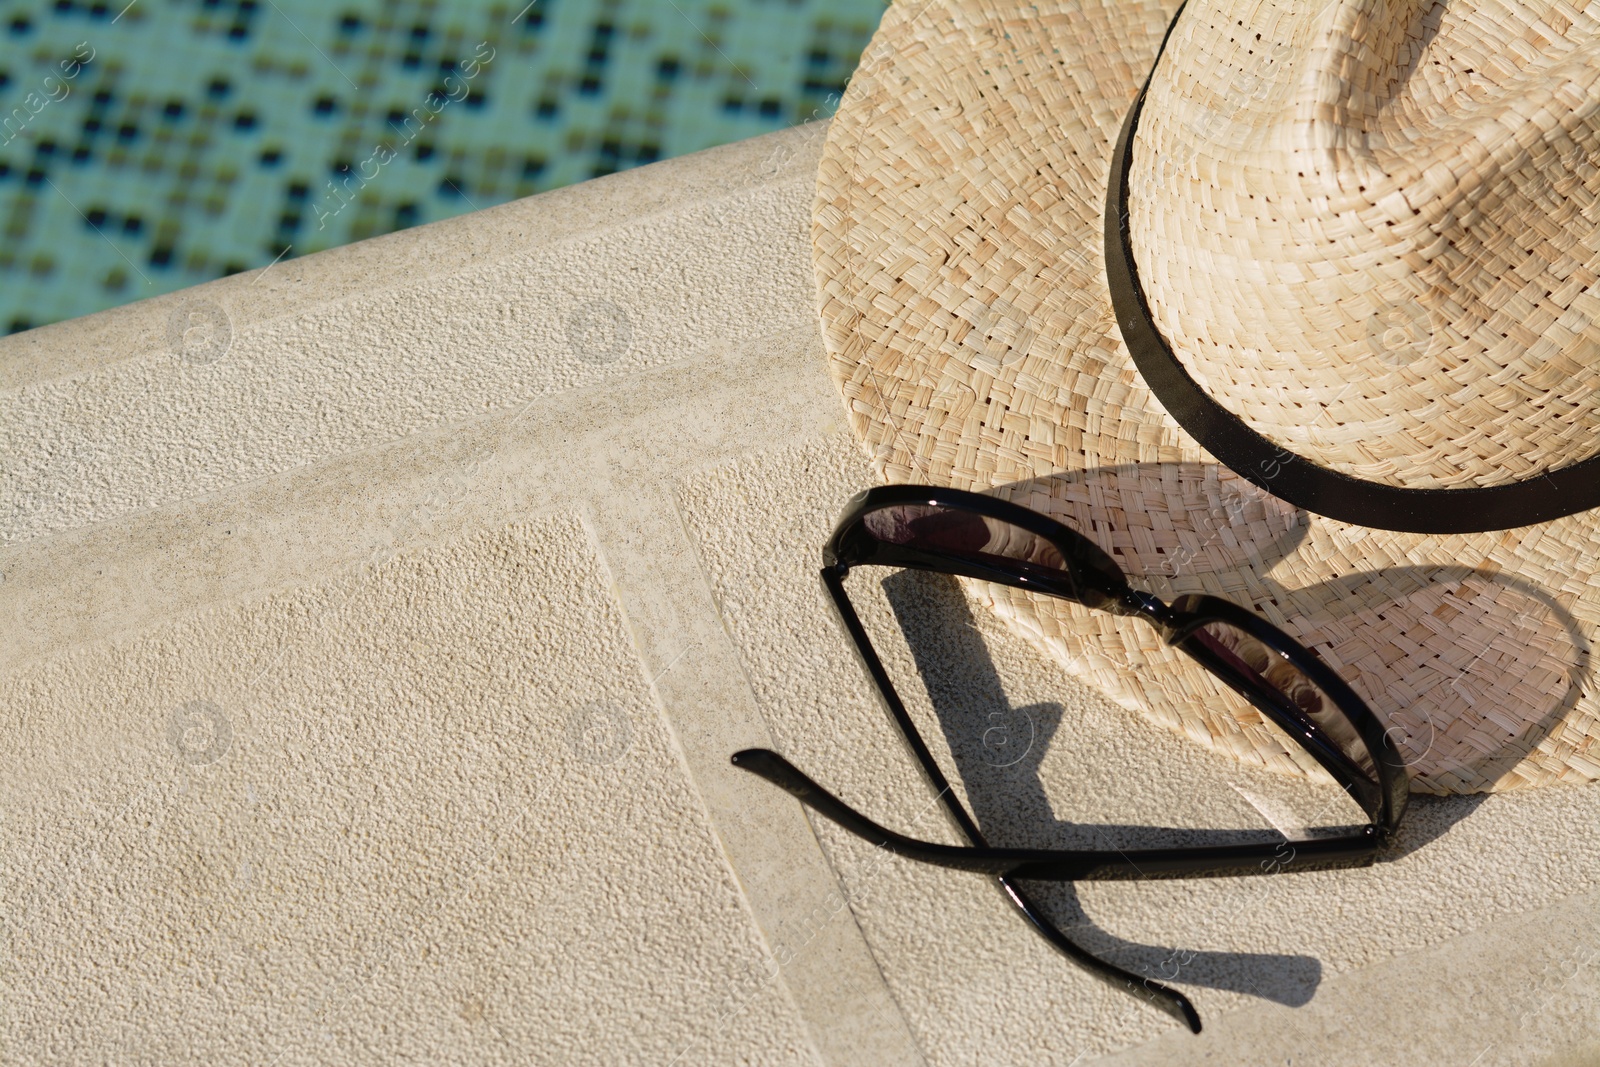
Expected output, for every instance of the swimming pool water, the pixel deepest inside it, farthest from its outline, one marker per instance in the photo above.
(150, 146)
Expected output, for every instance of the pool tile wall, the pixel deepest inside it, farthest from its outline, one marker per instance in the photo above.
(151, 146)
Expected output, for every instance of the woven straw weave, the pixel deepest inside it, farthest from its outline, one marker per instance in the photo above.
(1383, 254)
(957, 235)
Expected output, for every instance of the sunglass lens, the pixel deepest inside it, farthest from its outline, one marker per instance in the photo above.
(962, 534)
(1258, 668)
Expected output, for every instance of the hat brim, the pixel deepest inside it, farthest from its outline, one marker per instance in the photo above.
(957, 235)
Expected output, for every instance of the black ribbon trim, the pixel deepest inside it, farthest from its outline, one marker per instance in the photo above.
(1284, 474)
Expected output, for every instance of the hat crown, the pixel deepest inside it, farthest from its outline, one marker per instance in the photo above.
(1369, 230)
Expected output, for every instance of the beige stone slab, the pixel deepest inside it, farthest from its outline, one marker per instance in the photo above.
(370, 819)
(608, 448)
(222, 396)
(1522, 991)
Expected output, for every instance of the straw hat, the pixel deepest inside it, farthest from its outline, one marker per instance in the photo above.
(1336, 355)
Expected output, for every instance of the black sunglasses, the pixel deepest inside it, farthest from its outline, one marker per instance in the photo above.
(951, 531)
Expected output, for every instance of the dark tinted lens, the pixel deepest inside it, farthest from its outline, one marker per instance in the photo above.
(1267, 672)
(963, 534)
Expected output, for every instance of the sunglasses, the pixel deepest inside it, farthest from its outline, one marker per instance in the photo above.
(950, 531)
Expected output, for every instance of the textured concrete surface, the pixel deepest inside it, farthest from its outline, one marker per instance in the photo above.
(375, 817)
(375, 629)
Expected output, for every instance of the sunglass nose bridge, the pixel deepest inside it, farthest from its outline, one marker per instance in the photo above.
(1151, 607)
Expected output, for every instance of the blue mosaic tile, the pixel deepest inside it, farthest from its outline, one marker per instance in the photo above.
(150, 146)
